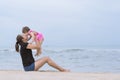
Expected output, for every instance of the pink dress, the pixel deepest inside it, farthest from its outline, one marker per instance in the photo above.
(39, 36)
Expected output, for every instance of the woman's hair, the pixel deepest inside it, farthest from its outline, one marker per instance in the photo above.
(25, 29)
(19, 42)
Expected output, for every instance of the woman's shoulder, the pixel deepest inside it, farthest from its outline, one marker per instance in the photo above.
(24, 44)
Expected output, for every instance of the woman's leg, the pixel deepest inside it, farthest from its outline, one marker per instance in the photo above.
(39, 63)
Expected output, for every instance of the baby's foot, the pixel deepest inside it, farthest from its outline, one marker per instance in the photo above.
(38, 53)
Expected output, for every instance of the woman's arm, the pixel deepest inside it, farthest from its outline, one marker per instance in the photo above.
(33, 46)
(29, 37)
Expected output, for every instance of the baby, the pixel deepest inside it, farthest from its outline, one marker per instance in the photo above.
(34, 36)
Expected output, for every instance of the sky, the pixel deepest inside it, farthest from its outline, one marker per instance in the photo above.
(63, 22)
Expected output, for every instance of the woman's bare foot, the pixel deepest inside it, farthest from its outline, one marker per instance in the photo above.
(65, 70)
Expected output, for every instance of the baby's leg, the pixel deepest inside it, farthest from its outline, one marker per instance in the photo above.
(39, 50)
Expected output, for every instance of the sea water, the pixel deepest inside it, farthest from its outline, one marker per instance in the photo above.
(75, 59)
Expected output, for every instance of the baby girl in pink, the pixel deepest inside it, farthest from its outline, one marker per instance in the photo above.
(34, 36)
(39, 36)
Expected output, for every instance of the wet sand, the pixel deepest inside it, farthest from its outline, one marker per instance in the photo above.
(53, 75)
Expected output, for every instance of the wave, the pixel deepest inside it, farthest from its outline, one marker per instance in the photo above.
(73, 50)
(67, 50)
(6, 50)
(63, 50)
(49, 50)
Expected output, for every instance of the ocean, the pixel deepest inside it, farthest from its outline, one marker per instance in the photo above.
(75, 59)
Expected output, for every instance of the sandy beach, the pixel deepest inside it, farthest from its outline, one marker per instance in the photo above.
(21, 75)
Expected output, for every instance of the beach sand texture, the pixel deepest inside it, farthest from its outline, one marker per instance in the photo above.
(49, 75)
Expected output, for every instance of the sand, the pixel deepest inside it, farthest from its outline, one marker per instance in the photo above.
(49, 75)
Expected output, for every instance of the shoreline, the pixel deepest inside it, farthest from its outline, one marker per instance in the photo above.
(54, 75)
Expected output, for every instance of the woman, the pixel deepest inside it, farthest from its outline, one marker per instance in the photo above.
(28, 61)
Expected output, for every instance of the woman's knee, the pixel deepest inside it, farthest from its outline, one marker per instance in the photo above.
(47, 58)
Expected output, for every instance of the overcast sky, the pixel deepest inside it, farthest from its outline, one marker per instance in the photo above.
(63, 22)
